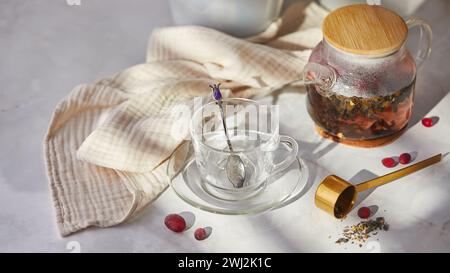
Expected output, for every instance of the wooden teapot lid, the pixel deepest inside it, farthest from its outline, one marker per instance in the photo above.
(365, 29)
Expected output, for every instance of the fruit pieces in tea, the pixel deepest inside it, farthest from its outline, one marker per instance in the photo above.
(361, 118)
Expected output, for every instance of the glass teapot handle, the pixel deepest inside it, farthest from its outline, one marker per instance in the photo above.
(425, 39)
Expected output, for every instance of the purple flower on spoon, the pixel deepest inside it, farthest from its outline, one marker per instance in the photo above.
(217, 95)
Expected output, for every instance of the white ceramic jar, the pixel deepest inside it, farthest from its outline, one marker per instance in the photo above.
(240, 18)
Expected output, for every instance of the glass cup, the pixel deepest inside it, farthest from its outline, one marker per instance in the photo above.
(253, 131)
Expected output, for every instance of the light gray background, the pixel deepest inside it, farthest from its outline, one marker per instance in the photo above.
(46, 48)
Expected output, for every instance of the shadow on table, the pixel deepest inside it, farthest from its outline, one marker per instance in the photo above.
(362, 176)
(433, 82)
(297, 194)
(283, 240)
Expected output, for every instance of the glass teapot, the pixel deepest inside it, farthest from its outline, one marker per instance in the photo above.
(360, 78)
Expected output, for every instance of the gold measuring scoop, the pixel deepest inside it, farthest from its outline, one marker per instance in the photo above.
(337, 196)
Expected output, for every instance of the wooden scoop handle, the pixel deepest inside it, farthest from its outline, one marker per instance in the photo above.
(398, 174)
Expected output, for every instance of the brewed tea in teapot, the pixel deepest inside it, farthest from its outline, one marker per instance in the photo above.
(368, 73)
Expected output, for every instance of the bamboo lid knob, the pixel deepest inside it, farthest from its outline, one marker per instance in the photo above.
(365, 29)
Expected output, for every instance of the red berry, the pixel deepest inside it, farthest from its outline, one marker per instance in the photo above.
(200, 234)
(404, 158)
(389, 162)
(427, 122)
(175, 223)
(364, 212)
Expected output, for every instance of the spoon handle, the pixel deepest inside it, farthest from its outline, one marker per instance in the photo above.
(398, 174)
(225, 126)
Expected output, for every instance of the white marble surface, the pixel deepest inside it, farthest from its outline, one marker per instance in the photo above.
(47, 47)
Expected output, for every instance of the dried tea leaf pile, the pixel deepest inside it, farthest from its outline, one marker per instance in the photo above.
(361, 232)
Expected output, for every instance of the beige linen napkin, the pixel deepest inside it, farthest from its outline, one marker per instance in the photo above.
(107, 143)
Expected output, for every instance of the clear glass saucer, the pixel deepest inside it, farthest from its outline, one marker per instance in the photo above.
(186, 182)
